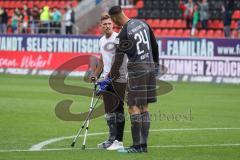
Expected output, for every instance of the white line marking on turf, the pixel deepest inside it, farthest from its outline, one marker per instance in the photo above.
(196, 145)
(160, 146)
(44, 143)
(40, 145)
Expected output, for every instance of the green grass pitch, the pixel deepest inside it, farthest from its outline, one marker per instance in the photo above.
(210, 131)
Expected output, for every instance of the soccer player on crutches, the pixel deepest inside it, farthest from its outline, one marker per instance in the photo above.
(114, 112)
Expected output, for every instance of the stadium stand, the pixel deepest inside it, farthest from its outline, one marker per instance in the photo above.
(11, 5)
(165, 17)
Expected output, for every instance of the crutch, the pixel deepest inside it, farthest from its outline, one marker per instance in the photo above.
(86, 122)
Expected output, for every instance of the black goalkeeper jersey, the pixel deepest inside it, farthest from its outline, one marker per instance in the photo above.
(137, 40)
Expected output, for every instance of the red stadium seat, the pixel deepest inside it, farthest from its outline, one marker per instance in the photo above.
(139, 4)
(42, 4)
(210, 33)
(202, 33)
(55, 3)
(172, 33)
(234, 25)
(163, 23)
(74, 3)
(133, 12)
(210, 23)
(11, 4)
(30, 4)
(234, 34)
(157, 32)
(217, 24)
(186, 33)
(179, 32)
(150, 22)
(156, 23)
(170, 23)
(236, 14)
(219, 34)
(180, 23)
(165, 32)
(127, 12)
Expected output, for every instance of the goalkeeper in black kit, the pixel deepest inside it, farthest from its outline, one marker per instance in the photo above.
(138, 42)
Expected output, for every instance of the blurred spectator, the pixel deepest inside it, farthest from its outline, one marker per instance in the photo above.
(15, 20)
(187, 9)
(34, 19)
(45, 20)
(26, 9)
(204, 13)
(25, 22)
(56, 20)
(195, 19)
(227, 18)
(21, 16)
(51, 22)
(26, 13)
(69, 20)
(3, 21)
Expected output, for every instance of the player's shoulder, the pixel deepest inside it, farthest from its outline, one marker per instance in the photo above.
(134, 24)
(102, 38)
(115, 34)
(136, 21)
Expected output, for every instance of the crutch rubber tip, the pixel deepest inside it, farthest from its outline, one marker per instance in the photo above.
(73, 144)
(83, 147)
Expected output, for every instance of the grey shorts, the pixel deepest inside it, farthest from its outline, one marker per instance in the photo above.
(141, 88)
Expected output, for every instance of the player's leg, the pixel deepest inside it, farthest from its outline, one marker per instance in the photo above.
(145, 117)
(119, 91)
(151, 98)
(109, 100)
(136, 98)
(136, 125)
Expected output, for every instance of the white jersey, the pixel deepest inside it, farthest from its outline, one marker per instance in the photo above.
(107, 49)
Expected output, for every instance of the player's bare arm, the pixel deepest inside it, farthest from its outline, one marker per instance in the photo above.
(99, 68)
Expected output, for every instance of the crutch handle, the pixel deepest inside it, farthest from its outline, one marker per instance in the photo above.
(93, 79)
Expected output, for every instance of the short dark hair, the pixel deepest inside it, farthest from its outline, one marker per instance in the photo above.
(114, 10)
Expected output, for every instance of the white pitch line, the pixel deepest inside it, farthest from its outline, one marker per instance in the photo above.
(160, 146)
(44, 143)
(40, 145)
(192, 129)
(197, 145)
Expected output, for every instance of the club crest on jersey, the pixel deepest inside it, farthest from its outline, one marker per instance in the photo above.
(116, 41)
(125, 45)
